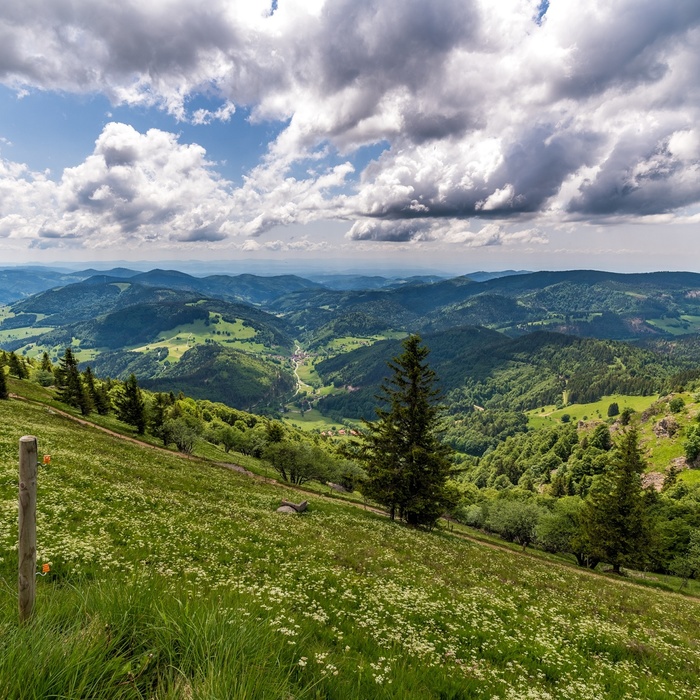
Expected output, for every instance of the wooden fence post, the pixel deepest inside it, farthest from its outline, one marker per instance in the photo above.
(27, 525)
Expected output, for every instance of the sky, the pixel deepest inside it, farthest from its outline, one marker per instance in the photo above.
(450, 135)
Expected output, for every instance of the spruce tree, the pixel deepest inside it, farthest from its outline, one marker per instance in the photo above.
(18, 368)
(615, 518)
(407, 465)
(69, 383)
(4, 392)
(46, 365)
(98, 394)
(130, 405)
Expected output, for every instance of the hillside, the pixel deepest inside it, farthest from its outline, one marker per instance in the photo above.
(147, 322)
(176, 578)
(487, 368)
(582, 302)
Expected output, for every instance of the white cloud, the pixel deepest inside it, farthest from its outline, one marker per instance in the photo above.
(139, 187)
(591, 114)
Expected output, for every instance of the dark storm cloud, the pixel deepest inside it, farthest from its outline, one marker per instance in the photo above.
(640, 178)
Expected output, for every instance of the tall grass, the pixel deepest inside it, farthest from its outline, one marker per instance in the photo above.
(138, 640)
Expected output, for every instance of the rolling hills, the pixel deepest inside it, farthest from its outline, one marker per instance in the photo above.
(147, 322)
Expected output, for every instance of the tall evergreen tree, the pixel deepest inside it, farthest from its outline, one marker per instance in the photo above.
(407, 465)
(46, 365)
(4, 392)
(69, 383)
(98, 394)
(130, 405)
(615, 518)
(18, 368)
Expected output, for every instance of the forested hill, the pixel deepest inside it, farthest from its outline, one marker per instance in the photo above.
(477, 366)
(580, 302)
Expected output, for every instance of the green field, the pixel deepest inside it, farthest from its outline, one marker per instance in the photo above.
(347, 343)
(173, 578)
(179, 340)
(677, 326)
(598, 409)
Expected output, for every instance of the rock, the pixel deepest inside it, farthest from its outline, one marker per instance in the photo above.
(287, 509)
(666, 427)
(680, 463)
(298, 507)
(654, 479)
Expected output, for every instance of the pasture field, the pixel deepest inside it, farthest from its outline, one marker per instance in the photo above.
(174, 578)
(180, 339)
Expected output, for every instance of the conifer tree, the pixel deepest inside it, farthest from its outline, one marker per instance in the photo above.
(615, 518)
(18, 368)
(70, 385)
(130, 405)
(4, 392)
(407, 465)
(98, 394)
(46, 365)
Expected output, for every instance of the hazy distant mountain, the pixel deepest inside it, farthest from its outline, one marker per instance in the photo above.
(346, 282)
(485, 276)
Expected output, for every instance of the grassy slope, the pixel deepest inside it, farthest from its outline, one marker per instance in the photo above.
(172, 578)
(660, 451)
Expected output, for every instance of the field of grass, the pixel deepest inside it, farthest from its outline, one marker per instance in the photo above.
(596, 410)
(179, 340)
(21, 333)
(307, 373)
(172, 578)
(311, 420)
(344, 344)
(677, 326)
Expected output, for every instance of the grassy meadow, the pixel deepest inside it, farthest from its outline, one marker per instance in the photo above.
(174, 578)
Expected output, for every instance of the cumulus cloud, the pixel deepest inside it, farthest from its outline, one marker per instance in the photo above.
(139, 187)
(501, 111)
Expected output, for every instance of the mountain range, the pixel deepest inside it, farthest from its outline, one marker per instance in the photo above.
(236, 337)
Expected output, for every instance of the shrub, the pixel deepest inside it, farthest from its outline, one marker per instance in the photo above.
(676, 404)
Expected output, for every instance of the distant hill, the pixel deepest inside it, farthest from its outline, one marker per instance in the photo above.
(477, 366)
(341, 282)
(252, 289)
(484, 276)
(589, 303)
(210, 371)
(20, 283)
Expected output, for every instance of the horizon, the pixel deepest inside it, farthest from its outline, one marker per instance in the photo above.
(311, 268)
